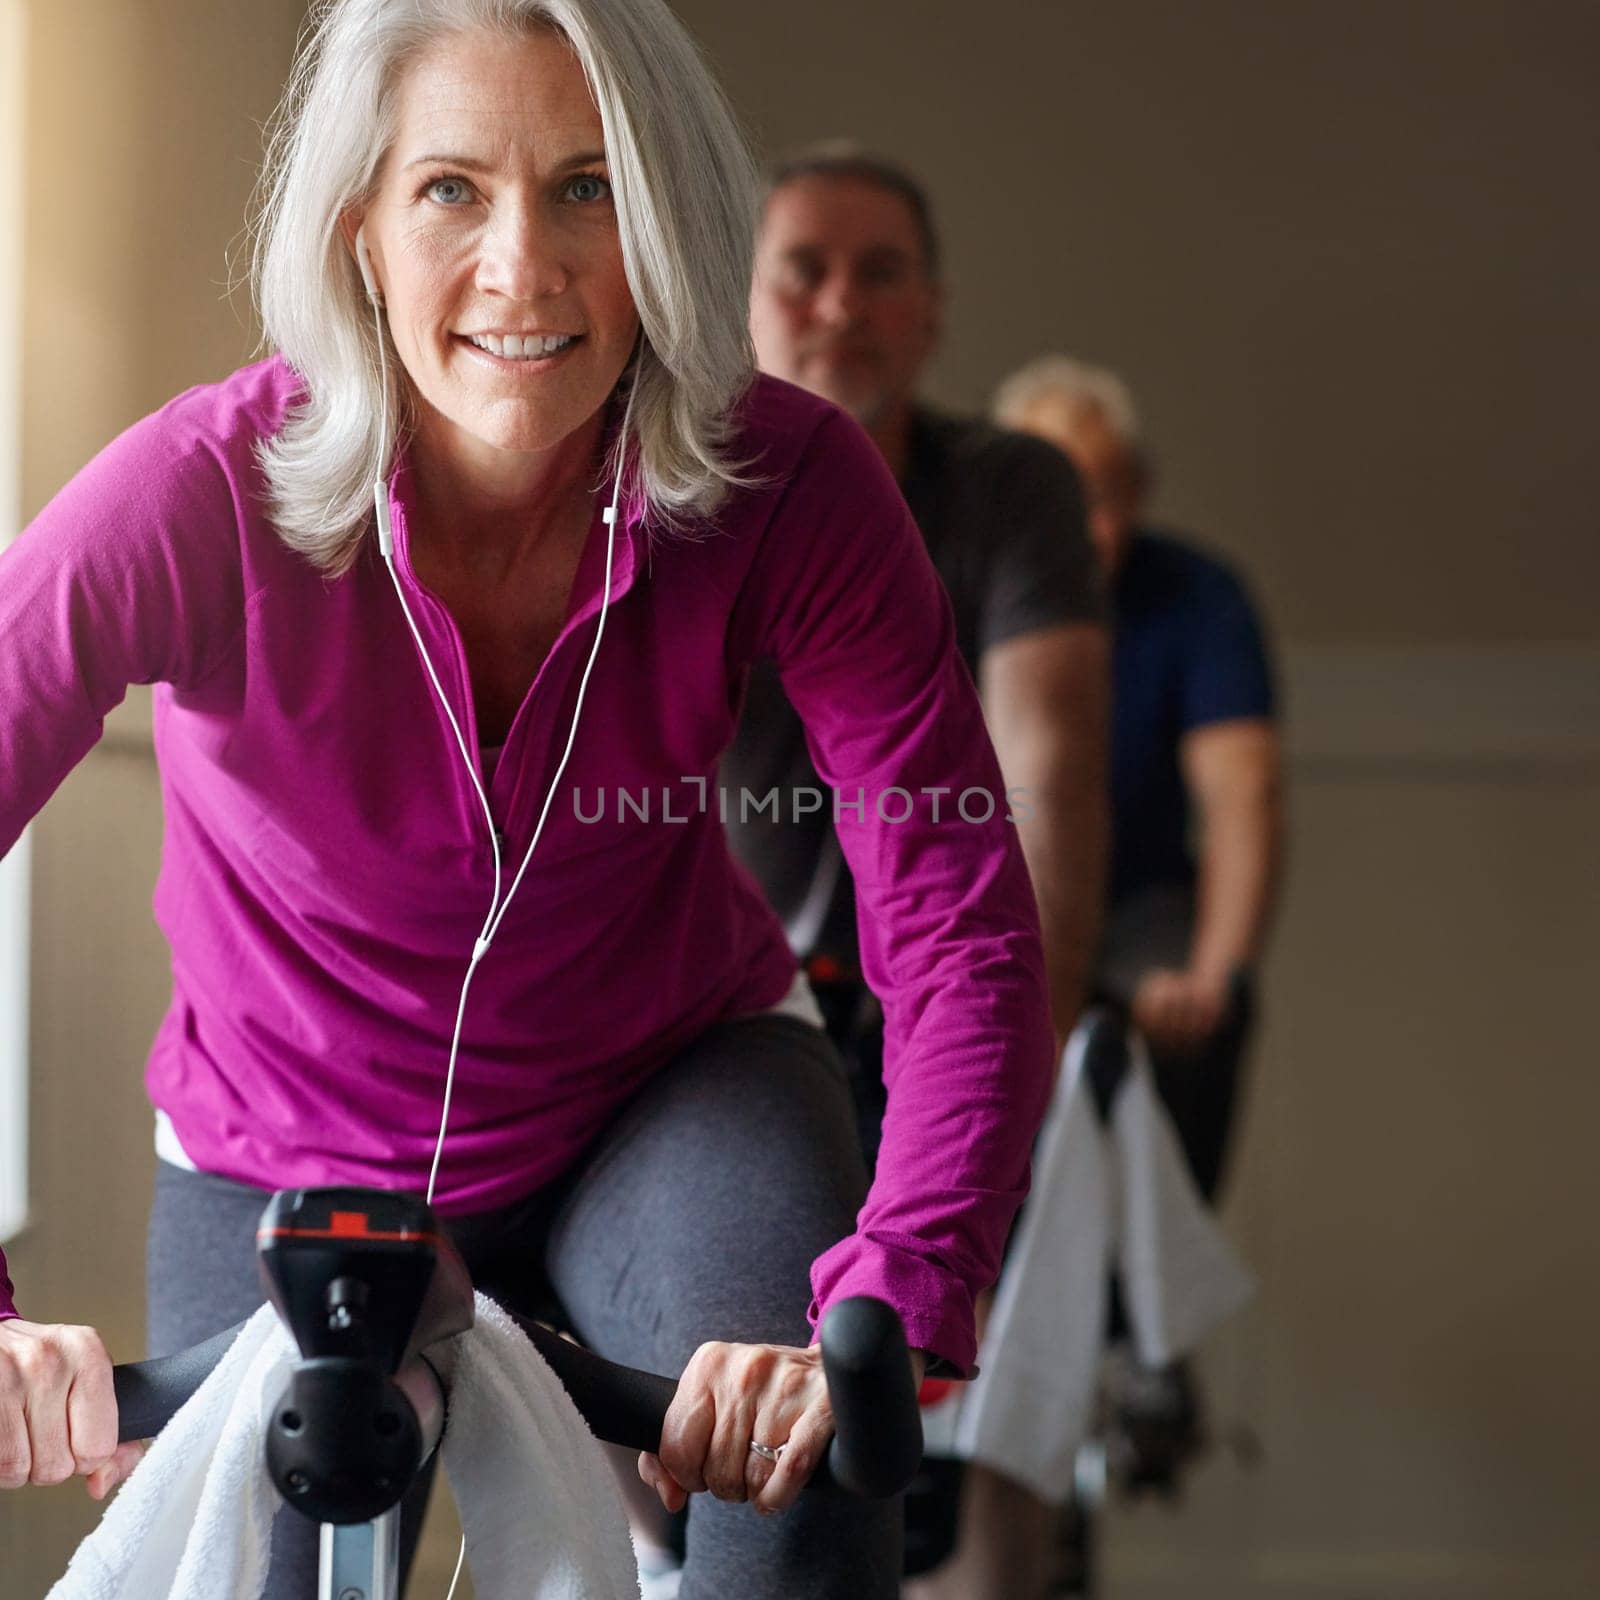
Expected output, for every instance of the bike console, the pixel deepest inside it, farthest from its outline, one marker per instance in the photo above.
(365, 1280)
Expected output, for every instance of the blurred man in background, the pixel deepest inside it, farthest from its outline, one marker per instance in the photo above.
(848, 302)
(1195, 767)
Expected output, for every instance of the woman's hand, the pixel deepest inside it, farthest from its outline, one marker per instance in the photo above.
(58, 1413)
(733, 1394)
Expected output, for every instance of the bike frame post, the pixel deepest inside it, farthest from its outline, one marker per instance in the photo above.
(360, 1560)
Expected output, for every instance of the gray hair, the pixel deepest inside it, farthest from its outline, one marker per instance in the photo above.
(845, 159)
(686, 190)
(1075, 384)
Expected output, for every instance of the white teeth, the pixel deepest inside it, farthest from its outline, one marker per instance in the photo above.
(527, 347)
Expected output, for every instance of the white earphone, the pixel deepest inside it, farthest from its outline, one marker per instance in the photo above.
(364, 262)
(498, 906)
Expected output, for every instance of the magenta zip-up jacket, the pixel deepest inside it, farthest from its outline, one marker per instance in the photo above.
(326, 866)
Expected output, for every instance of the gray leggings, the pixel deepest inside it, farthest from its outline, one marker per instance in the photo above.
(695, 1216)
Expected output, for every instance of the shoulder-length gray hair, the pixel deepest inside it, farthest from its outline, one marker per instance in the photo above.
(686, 191)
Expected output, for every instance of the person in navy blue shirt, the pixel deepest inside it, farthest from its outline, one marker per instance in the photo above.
(1197, 822)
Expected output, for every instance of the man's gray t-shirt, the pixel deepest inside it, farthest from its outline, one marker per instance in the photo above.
(1003, 517)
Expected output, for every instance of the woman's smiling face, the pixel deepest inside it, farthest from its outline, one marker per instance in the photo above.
(494, 241)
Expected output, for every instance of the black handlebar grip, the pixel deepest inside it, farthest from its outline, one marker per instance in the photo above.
(877, 1444)
(150, 1392)
(622, 1405)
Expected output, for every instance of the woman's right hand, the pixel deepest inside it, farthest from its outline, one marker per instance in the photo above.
(58, 1412)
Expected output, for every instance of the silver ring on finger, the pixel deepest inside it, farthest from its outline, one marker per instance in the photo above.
(767, 1452)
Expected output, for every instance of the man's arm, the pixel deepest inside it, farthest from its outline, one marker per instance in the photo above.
(1232, 770)
(1046, 698)
(1233, 773)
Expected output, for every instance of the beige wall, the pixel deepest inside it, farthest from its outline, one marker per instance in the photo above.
(1344, 253)
(1340, 247)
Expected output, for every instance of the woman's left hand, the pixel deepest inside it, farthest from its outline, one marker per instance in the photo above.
(733, 1394)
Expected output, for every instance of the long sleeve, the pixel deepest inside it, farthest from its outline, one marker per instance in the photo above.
(129, 575)
(862, 633)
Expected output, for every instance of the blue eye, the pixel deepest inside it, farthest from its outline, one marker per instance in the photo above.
(456, 186)
(588, 187)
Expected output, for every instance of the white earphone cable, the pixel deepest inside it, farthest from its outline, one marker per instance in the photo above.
(610, 515)
(498, 906)
(380, 498)
(461, 744)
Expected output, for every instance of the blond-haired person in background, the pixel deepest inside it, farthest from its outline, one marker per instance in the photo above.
(1196, 792)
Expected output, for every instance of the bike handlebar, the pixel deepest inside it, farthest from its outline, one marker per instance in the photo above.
(877, 1427)
(150, 1392)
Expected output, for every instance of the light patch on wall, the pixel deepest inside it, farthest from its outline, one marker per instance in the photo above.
(14, 867)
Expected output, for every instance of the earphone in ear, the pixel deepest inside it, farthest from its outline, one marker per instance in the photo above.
(364, 262)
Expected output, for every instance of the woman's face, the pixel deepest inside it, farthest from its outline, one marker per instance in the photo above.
(493, 239)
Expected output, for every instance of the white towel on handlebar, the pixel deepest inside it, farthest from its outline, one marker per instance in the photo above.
(195, 1518)
(538, 1503)
(1102, 1197)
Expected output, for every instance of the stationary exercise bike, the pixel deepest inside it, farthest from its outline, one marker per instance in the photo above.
(367, 1283)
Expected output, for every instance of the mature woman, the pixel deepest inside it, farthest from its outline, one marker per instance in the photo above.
(422, 936)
